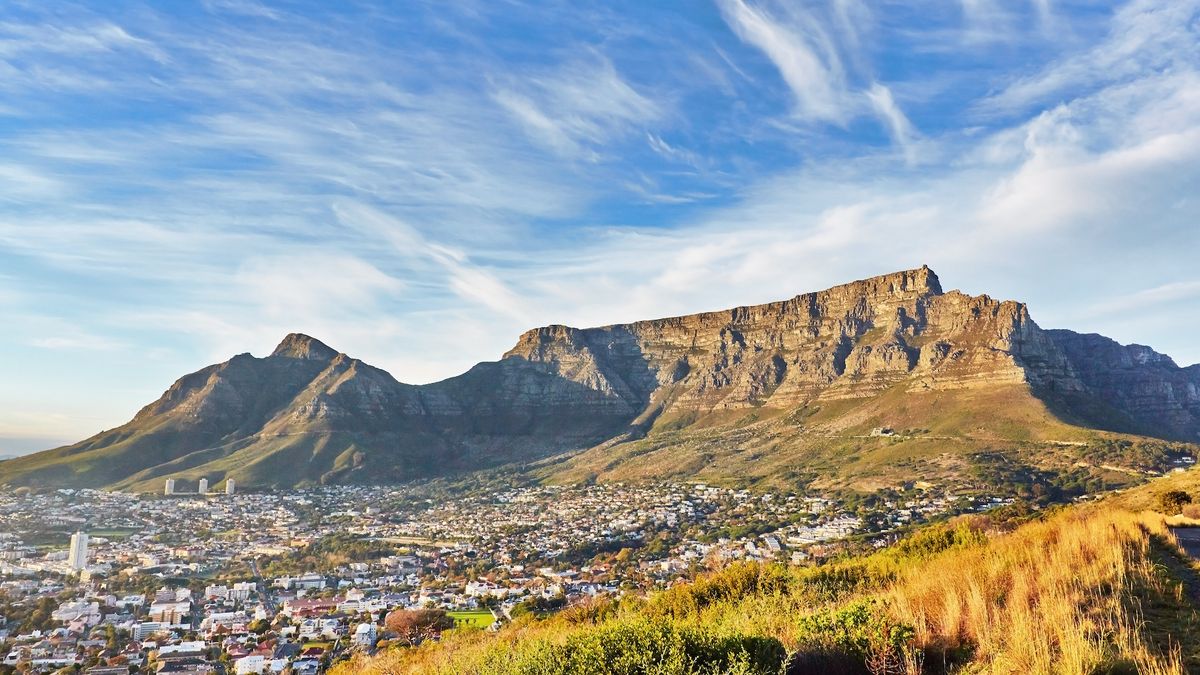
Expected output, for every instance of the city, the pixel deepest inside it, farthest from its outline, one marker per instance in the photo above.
(293, 581)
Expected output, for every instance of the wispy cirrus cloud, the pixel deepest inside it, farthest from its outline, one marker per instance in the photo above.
(1143, 36)
(899, 127)
(803, 53)
(809, 52)
(578, 108)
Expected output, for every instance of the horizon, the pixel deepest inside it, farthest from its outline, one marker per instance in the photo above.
(416, 189)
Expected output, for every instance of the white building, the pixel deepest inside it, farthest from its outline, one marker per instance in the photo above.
(258, 664)
(78, 556)
(203, 488)
(230, 486)
(147, 628)
(196, 646)
(170, 487)
(67, 612)
(242, 590)
(366, 635)
(249, 664)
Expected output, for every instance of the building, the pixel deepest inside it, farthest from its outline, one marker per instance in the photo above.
(203, 488)
(78, 556)
(170, 487)
(241, 591)
(171, 613)
(147, 628)
(249, 664)
(365, 635)
(229, 486)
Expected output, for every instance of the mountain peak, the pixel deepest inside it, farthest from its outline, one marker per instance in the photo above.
(928, 278)
(301, 346)
(921, 280)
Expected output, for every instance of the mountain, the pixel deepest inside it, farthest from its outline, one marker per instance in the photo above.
(792, 390)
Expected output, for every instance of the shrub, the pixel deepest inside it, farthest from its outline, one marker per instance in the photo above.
(734, 583)
(1172, 502)
(860, 636)
(838, 580)
(930, 541)
(642, 647)
(416, 625)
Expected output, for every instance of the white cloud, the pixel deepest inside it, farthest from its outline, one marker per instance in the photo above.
(19, 182)
(809, 66)
(467, 280)
(1144, 36)
(1149, 299)
(899, 127)
(17, 39)
(577, 109)
(78, 342)
(808, 56)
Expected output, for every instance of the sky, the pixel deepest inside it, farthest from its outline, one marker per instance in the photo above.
(416, 183)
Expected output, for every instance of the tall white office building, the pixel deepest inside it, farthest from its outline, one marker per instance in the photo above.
(77, 558)
(230, 486)
(170, 487)
(203, 486)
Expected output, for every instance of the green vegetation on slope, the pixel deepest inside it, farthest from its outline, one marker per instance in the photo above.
(1090, 589)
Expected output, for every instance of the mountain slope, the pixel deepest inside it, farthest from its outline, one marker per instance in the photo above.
(789, 390)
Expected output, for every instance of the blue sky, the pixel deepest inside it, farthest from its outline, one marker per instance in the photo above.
(416, 183)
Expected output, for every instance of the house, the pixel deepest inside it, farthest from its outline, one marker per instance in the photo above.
(366, 635)
(313, 629)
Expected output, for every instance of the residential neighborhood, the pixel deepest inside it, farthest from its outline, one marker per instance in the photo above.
(292, 581)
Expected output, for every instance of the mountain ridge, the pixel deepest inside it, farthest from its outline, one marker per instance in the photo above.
(307, 413)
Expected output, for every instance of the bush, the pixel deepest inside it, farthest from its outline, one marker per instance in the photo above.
(838, 580)
(413, 626)
(736, 582)
(859, 637)
(1172, 502)
(643, 647)
(930, 541)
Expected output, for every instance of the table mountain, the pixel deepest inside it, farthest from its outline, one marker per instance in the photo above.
(776, 389)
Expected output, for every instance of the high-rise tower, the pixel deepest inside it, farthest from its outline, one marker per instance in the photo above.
(77, 558)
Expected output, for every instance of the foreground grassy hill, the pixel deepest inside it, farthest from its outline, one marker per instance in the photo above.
(1090, 589)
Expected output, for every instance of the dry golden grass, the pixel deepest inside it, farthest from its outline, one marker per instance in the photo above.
(1063, 596)
(1054, 597)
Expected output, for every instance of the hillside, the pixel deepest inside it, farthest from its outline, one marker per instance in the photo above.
(1092, 589)
(791, 391)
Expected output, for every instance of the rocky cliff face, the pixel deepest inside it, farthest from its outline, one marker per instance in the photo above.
(849, 341)
(307, 413)
(858, 339)
(1131, 387)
